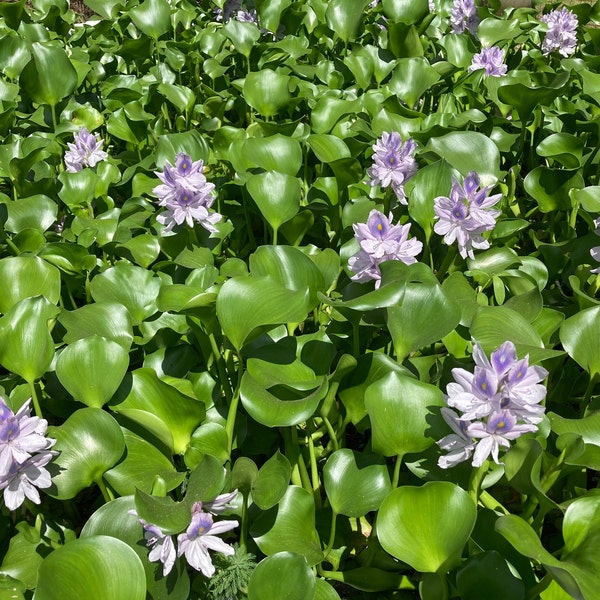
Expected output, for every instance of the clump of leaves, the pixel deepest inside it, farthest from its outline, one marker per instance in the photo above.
(230, 582)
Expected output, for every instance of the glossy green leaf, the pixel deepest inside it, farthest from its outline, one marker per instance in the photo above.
(191, 142)
(106, 319)
(551, 187)
(425, 315)
(49, 76)
(91, 369)
(272, 481)
(277, 196)
(27, 347)
(209, 438)
(274, 153)
(412, 77)
(580, 336)
(90, 442)
(159, 408)
(97, 568)
(328, 148)
(245, 303)
(244, 474)
(267, 91)
(140, 466)
(35, 212)
(405, 11)
(565, 148)
(285, 576)
(468, 151)
(242, 35)
(428, 526)
(290, 527)
(28, 276)
(133, 287)
(152, 17)
(355, 483)
(400, 409)
(281, 408)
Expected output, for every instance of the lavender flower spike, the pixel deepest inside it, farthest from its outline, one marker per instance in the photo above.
(393, 163)
(562, 32)
(200, 537)
(379, 241)
(463, 17)
(186, 194)
(491, 59)
(466, 214)
(85, 151)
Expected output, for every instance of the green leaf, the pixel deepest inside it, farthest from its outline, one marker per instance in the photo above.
(289, 527)
(35, 212)
(274, 153)
(95, 568)
(344, 17)
(159, 408)
(267, 91)
(412, 77)
(580, 336)
(405, 11)
(328, 148)
(551, 188)
(468, 151)
(28, 276)
(49, 76)
(243, 36)
(103, 364)
(170, 144)
(90, 442)
(277, 196)
(272, 480)
(428, 526)
(152, 17)
(400, 409)
(27, 347)
(133, 287)
(355, 483)
(285, 576)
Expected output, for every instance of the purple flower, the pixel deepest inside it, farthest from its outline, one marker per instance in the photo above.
(431, 6)
(595, 252)
(465, 215)
(491, 59)
(379, 241)
(21, 436)
(247, 16)
(463, 16)
(221, 503)
(498, 402)
(562, 32)
(186, 194)
(85, 151)
(393, 163)
(200, 537)
(162, 547)
(22, 480)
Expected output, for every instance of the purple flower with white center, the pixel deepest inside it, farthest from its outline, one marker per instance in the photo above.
(246, 16)
(21, 436)
(393, 163)
(162, 547)
(463, 16)
(221, 503)
(491, 59)
(498, 402)
(186, 194)
(500, 428)
(84, 151)
(22, 480)
(200, 537)
(562, 32)
(379, 241)
(466, 214)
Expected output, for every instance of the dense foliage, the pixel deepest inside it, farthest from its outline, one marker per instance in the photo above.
(299, 300)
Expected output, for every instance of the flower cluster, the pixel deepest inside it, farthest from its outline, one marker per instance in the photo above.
(491, 59)
(379, 241)
(463, 17)
(498, 402)
(185, 194)
(199, 537)
(466, 214)
(562, 32)
(595, 252)
(84, 151)
(24, 454)
(393, 163)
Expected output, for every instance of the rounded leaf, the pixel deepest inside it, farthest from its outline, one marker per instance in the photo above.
(580, 336)
(355, 483)
(428, 526)
(95, 568)
(285, 576)
(267, 91)
(91, 369)
(271, 482)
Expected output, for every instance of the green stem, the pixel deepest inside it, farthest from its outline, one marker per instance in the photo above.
(34, 397)
(447, 262)
(475, 481)
(221, 368)
(490, 502)
(9, 242)
(106, 493)
(244, 528)
(233, 406)
(331, 541)
(588, 393)
(396, 475)
(541, 585)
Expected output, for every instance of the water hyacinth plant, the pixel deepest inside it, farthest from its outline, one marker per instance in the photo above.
(300, 300)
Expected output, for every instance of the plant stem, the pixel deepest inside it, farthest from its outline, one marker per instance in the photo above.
(475, 481)
(34, 397)
(106, 493)
(397, 466)
(221, 368)
(331, 541)
(233, 406)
